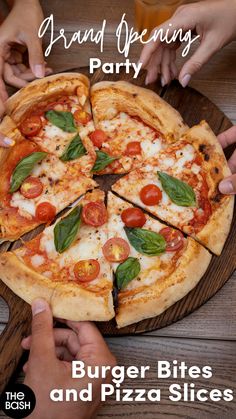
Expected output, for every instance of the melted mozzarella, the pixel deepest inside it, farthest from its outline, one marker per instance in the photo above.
(149, 273)
(37, 260)
(151, 148)
(26, 207)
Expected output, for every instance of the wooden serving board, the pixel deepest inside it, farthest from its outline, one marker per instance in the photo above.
(194, 107)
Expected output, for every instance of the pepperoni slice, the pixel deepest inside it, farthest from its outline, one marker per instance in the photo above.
(133, 148)
(45, 212)
(31, 188)
(150, 195)
(94, 214)
(174, 239)
(133, 217)
(98, 137)
(116, 250)
(87, 270)
(31, 126)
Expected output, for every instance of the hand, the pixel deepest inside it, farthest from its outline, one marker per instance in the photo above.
(213, 20)
(18, 32)
(49, 364)
(228, 185)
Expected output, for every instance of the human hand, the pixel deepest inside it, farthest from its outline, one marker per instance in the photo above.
(49, 364)
(212, 20)
(18, 32)
(228, 185)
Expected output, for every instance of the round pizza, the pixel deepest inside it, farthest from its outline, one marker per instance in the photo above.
(131, 252)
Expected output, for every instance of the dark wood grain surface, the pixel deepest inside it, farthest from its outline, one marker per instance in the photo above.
(210, 332)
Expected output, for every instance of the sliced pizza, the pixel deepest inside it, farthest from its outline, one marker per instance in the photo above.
(154, 265)
(132, 125)
(65, 264)
(50, 164)
(180, 186)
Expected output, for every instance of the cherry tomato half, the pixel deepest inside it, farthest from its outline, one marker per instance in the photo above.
(82, 116)
(133, 217)
(31, 188)
(94, 214)
(174, 239)
(87, 270)
(45, 212)
(133, 148)
(98, 137)
(116, 250)
(150, 195)
(31, 126)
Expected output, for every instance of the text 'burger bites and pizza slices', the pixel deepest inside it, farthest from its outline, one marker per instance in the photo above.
(100, 244)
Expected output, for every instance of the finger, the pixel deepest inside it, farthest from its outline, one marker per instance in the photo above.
(25, 367)
(36, 58)
(3, 91)
(62, 337)
(228, 185)
(232, 162)
(228, 137)
(42, 339)
(165, 67)
(173, 67)
(63, 354)
(204, 52)
(153, 68)
(5, 141)
(11, 79)
(87, 332)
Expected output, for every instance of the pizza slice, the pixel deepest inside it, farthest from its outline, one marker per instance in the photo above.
(154, 265)
(132, 125)
(180, 186)
(65, 264)
(54, 112)
(34, 185)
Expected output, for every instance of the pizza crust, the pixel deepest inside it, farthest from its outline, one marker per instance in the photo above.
(216, 231)
(18, 105)
(110, 98)
(67, 300)
(164, 293)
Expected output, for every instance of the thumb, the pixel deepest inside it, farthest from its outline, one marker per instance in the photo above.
(228, 185)
(36, 58)
(42, 340)
(204, 52)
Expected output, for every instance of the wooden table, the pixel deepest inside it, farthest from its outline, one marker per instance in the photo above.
(208, 336)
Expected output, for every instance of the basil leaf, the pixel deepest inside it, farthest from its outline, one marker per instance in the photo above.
(24, 168)
(179, 192)
(127, 271)
(63, 120)
(66, 230)
(75, 150)
(145, 241)
(102, 161)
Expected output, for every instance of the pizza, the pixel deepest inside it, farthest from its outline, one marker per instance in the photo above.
(128, 254)
(55, 264)
(180, 187)
(50, 164)
(132, 125)
(162, 266)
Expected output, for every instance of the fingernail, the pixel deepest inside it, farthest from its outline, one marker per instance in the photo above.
(163, 82)
(38, 306)
(8, 141)
(185, 80)
(226, 187)
(39, 71)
